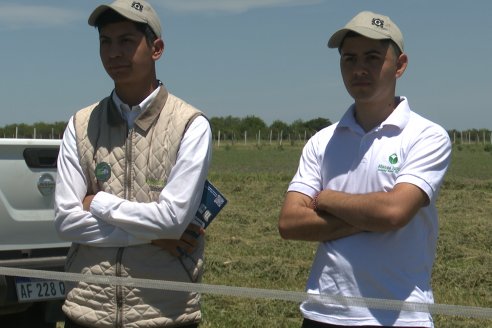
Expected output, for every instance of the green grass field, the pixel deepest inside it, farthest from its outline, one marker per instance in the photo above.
(244, 248)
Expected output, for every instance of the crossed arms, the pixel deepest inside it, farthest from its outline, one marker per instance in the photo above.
(341, 214)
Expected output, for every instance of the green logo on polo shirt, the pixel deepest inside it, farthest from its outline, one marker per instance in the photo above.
(391, 167)
(393, 159)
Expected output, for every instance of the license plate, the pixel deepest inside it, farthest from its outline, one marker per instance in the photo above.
(34, 289)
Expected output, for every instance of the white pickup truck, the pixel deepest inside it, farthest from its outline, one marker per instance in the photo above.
(27, 235)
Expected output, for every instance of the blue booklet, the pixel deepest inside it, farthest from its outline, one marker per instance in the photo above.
(212, 203)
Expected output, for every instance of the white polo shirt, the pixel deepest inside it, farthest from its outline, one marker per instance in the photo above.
(392, 265)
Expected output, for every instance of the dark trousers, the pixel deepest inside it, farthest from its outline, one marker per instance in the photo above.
(70, 324)
(315, 324)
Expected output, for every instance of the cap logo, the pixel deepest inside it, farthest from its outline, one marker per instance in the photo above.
(378, 22)
(137, 5)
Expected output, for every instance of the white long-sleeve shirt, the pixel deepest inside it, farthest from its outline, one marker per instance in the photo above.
(113, 221)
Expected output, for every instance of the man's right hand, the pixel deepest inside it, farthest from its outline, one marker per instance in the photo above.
(298, 220)
(185, 245)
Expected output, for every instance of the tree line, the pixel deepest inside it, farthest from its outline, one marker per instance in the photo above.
(39, 130)
(483, 136)
(230, 128)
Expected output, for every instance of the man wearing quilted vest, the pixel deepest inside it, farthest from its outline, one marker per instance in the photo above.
(131, 171)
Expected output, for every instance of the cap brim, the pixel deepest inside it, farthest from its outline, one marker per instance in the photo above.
(337, 38)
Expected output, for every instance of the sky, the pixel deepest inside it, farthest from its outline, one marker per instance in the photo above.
(266, 58)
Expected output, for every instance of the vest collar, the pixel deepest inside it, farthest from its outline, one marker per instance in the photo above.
(145, 119)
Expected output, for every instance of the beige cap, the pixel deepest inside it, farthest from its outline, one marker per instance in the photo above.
(370, 25)
(138, 11)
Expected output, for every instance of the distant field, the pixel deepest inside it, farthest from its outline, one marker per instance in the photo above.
(244, 248)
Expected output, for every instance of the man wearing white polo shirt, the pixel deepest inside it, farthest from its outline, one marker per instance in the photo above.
(366, 189)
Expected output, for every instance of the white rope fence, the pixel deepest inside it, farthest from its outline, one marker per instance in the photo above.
(256, 293)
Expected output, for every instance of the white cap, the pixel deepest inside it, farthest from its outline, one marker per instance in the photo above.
(138, 11)
(370, 25)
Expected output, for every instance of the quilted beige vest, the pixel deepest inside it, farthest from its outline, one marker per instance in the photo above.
(140, 160)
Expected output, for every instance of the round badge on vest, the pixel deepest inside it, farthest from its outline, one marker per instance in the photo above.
(103, 172)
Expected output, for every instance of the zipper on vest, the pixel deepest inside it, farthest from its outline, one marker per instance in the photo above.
(119, 290)
(129, 164)
(119, 255)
